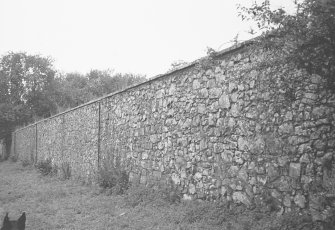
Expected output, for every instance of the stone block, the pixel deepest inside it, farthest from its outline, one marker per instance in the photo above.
(272, 172)
(282, 184)
(197, 176)
(196, 84)
(241, 198)
(211, 83)
(203, 93)
(224, 101)
(243, 175)
(294, 170)
(191, 189)
(187, 197)
(287, 201)
(157, 175)
(300, 200)
(143, 179)
(233, 171)
(215, 93)
(235, 110)
(232, 86)
(203, 144)
(242, 144)
(202, 108)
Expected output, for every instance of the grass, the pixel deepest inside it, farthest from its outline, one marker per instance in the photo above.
(53, 203)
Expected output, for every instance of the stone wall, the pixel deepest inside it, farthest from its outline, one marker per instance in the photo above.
(220, 128)
(2, 150)
(25, 148)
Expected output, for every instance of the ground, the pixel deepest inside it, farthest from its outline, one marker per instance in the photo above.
(52, 203)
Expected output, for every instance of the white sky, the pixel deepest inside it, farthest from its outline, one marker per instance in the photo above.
(129, 36)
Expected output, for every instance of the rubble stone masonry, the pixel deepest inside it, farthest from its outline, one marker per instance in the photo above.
(220, 128)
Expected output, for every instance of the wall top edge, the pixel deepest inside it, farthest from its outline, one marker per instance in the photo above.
(217, 54)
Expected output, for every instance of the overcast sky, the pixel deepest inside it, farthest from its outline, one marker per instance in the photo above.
(129, 36)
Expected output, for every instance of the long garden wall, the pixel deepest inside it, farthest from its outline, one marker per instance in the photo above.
(220, 128)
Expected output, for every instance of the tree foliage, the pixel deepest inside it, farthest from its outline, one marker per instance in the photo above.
(73, 89)
(305, 38)
(25, 89)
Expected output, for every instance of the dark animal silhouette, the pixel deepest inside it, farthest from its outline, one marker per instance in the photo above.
(19, 224)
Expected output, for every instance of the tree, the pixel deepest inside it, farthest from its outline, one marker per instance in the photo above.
(306, 38)
(73, 89)
(39, 77)
(25, 90)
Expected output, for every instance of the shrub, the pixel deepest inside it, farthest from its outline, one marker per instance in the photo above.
(112, 176)
(45, 167)
(25, 162)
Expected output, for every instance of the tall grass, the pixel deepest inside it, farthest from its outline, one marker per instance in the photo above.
(65, 170)
(113, 176)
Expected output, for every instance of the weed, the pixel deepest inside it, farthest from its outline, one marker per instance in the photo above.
(45, 167)
(66, 170)
(25, 162)
(112, 176)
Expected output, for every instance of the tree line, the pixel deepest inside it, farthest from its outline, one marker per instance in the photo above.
(31, 89)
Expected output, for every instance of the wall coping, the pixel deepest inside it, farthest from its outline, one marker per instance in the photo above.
(223, 52)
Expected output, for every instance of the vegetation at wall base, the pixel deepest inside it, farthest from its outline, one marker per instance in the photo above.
(113, 176)
(65, 170)
(25, 163)
(46, 168)
(152, 194)
(118, 213)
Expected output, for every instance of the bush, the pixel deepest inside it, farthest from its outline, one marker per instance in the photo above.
(45, 167)
(113, 177)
